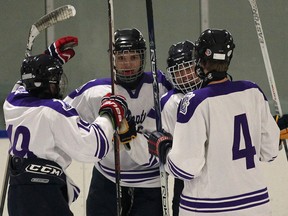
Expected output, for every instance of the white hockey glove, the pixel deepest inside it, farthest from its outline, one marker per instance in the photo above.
(62, 49)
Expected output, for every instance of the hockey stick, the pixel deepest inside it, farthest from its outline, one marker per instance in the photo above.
(4, 186)
(267, 63)
(163, 174)
(116, 141)
(55, 16)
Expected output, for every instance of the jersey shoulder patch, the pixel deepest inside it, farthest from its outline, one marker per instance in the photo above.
(185, 102)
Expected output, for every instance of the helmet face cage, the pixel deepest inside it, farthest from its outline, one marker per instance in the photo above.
(215, 44)
(63, 84)
(183, 76)
(129, 65)
(130, 55)
(181, 67)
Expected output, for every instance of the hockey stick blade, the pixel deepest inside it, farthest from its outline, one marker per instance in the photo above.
(57, 15)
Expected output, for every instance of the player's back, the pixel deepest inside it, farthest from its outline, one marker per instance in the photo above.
(234, 121)
(28, 126)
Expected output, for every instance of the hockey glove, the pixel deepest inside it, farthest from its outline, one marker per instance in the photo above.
(62, 49)
(159, 143)
(127, 130)
(283, 126)
(115, 107)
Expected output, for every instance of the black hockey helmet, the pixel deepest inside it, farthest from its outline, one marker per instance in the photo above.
(38, 72)
(129, 39)
(129, 42)
(181, 67)
(181, 52)
(215, 44)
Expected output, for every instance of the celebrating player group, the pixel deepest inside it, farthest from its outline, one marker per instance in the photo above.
(215, 132)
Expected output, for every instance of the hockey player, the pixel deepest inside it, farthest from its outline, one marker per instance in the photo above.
(181, 74)
(46, 133)
(140, 181)
(222, 133)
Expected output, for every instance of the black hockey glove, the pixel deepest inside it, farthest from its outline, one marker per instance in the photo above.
(62, 49)
(283, 126)
(115, 107)
(159, 143)
(127, 130)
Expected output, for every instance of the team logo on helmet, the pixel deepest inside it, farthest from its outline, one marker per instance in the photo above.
(208, 52)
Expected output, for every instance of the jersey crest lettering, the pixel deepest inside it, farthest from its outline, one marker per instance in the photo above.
(139, 119)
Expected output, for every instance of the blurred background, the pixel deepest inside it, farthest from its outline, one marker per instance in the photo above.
(174, 21)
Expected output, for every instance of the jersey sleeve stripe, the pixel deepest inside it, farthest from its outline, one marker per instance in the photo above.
(178, 172)
(102, 139)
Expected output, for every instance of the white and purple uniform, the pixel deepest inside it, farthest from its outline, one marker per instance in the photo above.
(221, 134)
(52, 130)
(138, 167)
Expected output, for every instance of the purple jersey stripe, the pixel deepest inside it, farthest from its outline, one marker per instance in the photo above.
(223, 204)
(134, 176)
(178, 172)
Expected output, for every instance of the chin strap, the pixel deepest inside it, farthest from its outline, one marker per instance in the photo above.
(230, 77)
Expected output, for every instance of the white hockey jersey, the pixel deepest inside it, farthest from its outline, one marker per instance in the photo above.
(138, 167)
(221, 134)
(51, 129)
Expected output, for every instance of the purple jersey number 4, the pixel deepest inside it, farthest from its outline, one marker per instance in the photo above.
(241, 124)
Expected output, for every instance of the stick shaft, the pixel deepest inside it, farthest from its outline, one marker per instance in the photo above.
(111, 42)
(4, 186)
(265, 55)
(150, 22)
(116, 141)
(267, 63)
(163, 174)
